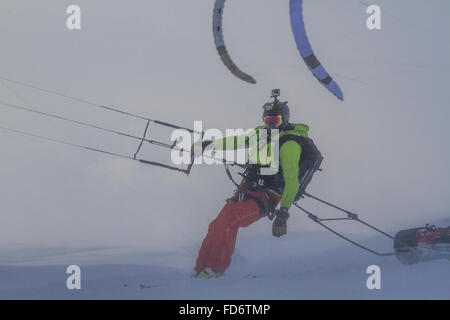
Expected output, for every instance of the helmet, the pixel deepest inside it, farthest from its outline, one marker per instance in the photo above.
(276, 114)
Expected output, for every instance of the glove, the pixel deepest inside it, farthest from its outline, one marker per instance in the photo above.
(279, 226)
(198, 148)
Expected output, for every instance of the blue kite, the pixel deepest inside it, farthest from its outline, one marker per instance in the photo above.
(303, 45)
(305, 49)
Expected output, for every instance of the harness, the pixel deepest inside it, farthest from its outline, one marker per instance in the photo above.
(252, 182)
(309, 163)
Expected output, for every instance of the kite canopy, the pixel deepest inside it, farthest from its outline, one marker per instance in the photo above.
(220, 44)
(301, 38)
(305, 49)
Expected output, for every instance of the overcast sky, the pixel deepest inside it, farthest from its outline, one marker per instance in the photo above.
(386, 147)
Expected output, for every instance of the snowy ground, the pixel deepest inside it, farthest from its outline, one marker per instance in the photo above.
(299, 266)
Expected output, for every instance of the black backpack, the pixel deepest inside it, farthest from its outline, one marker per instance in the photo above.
(310, 160)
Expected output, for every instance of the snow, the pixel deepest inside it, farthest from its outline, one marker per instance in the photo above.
(386, 149)
(308, 265)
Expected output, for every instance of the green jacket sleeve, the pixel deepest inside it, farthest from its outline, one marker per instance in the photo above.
(289, 159)
(234, 142)
(230, 143)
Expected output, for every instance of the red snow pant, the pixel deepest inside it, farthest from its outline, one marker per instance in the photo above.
(240, 211)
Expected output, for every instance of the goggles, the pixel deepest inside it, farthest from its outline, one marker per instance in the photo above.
(268, 106)
(273, 122)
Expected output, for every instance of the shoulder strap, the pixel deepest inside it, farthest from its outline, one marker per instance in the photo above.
(302, 141)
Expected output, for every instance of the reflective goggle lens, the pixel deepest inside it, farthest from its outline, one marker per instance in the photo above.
(273, 121)
(268, 106)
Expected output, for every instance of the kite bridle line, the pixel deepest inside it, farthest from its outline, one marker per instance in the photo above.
(142, 138)
(351, 216)
(97, 105)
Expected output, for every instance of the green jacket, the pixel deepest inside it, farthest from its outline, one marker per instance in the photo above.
(289, 157)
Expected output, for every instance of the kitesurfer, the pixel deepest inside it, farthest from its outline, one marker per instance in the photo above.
(258, 195)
